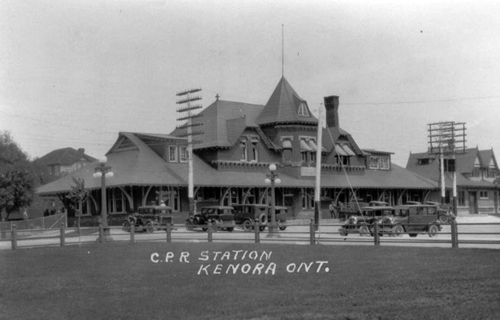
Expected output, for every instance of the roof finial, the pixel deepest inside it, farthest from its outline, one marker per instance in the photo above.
(217, 96)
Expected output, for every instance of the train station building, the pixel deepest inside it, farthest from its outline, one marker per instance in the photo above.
(237, 143)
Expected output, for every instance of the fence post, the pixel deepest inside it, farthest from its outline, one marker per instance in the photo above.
(209, 229)
(454, 234)
(376, 236)
(312, 233)
(14, 237)
(132, 233)
(169, 233)
(256, 229)
(101, 233)
(62, 234)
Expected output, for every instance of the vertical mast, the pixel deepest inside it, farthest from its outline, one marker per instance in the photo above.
(317, 193)
(186, 100)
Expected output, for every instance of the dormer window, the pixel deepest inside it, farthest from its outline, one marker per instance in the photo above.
(303, 112)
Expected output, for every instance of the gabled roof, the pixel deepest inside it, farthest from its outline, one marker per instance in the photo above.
(221, 121)
(487, 156)
(64, 156)
(283, 107)
(464, 164)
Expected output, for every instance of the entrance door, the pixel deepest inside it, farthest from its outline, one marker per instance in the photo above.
(473, 202)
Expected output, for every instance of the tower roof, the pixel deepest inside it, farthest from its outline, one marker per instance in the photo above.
(286, 106)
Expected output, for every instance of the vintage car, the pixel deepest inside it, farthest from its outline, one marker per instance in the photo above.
(246, 215)
(281, 216)
(363, 222)
(444, 212)
(412, 219)
(218, 217)
(149, 219)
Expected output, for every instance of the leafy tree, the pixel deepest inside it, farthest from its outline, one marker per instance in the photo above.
(77, 196)
(16, 177)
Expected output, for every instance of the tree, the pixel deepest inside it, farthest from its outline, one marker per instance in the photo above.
(16, 177)
(77, 196)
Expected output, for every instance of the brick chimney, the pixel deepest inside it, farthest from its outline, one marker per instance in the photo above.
(332, 111)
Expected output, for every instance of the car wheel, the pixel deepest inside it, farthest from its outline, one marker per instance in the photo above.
(262, 228)
(398, 230)
(247, 225)
(150, 227)
(443, 218)
(282, 228)
(230, 229)
(364, 231)
(126, 226)
(433, 230)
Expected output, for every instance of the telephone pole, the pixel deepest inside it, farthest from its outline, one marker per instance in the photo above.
(186, 100)
(447, 139)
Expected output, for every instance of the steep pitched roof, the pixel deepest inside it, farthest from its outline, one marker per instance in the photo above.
(218, 121)
(464, 164)
(283, 107)
(487, 157)
(64, 156)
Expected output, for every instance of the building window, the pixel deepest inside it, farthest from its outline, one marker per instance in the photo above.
(461, 198)
(373, 163)
(83, 208)
(255, 152)
(424, 161)
(243, 148)
(303, 112)
(385, 164)
(172, 153)
(183, 154)
(116, 201)
(483, 194)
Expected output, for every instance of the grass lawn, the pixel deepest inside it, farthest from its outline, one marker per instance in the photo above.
(222, 281)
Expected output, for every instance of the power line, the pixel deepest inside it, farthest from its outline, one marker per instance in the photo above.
(419, 101)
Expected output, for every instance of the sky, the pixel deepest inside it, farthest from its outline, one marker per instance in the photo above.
(75, 73)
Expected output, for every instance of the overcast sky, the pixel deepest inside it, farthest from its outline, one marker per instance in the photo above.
(74, 73)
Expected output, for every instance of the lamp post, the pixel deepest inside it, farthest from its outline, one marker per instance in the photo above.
(273, 180)
(103, 171)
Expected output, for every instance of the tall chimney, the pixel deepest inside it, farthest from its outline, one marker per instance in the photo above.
(332, 111)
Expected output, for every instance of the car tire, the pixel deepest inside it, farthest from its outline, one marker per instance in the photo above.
(398, 230)
(443, 218)
(262, 228)
(126, 226)
(263, 219)
(282, 228)
(150, 228)
(433, 230)
(247, 225)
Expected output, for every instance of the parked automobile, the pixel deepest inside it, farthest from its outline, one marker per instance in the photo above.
(149, 219)
(246, 215)
(362, 223)
(444, 212)
(281, 216)
(412, 219)
(219, 217)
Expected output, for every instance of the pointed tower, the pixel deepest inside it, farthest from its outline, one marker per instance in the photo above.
(285, 106)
